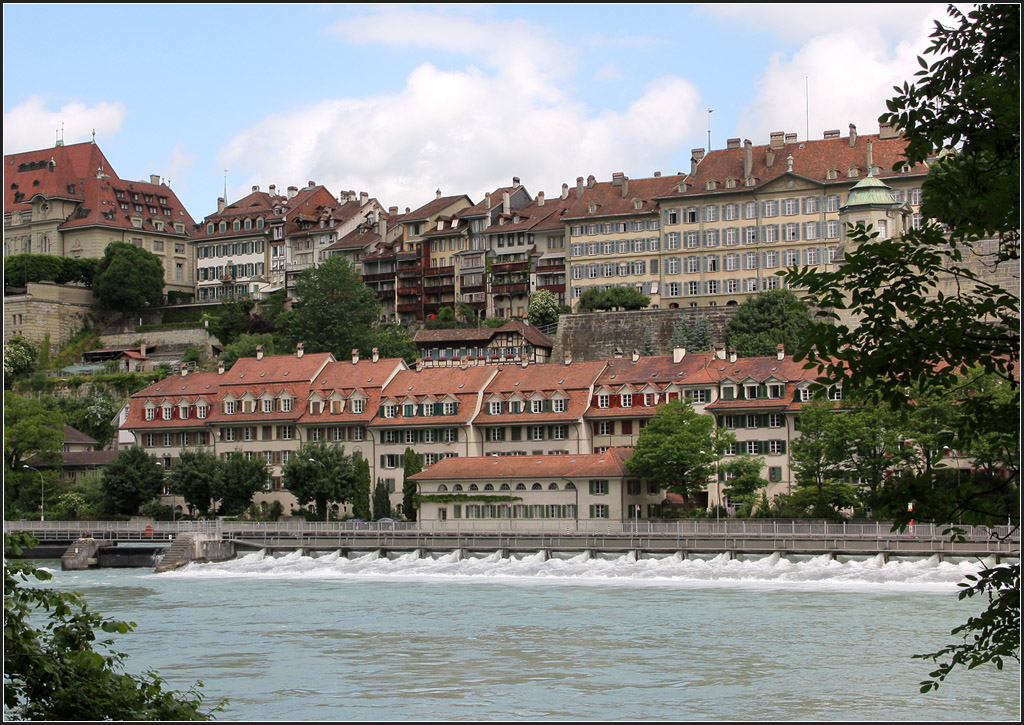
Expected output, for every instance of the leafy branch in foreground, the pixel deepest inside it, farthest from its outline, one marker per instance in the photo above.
(53, 672)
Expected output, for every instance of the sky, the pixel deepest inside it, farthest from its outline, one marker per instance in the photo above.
(402, 100)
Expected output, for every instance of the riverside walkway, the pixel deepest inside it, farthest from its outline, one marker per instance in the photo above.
(514, 536)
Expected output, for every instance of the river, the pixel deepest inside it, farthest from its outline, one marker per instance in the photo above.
(325, 638)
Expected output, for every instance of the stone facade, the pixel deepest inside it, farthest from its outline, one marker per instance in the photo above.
(595, 335)
(47, 309)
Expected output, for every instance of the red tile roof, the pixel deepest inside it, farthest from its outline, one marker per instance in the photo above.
(610, 199)
(611, 463)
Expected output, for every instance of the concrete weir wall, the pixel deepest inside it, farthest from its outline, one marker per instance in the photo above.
(199, 547)
(595, 335)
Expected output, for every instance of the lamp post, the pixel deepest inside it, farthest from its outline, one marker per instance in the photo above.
(42, 491)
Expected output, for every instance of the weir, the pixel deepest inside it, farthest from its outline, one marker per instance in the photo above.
(220, 540)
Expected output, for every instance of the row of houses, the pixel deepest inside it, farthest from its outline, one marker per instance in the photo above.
(711, 236)
(551, 416)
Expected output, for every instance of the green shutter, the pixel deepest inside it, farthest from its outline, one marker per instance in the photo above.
(591, 510)
(438, 409)
(457, 510)
(782, 446)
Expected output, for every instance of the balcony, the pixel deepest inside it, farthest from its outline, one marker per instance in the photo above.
(505, 267)
(514, 288)
(413, 307)
(438, 271)
(367, 278)
(410, 273)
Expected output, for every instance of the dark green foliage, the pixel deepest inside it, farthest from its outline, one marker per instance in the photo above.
(413, 465)
(20, 269)
(240, 478)
(495, 322)
(647, 344)
(320, 474)
(130, 480)
(765, 321)
(747, 484)
(625, 298)
(444, 320)
(128, 278)
(55, 668)
(335, 311)
(31, 429)
(245, 346)
(381, 501)
(392, 341)
(699, 339)
(361, 490)
(543, 308)
(195, 477)
(926, 317)
(230, 320)
(678, 449)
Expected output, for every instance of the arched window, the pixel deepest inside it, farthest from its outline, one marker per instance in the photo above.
(457, 487)
(552, 487)
(442, 487)
(473, 487)
(570, 487)
(488, 487)
(537, 487)
(520, 487)
(505, 487)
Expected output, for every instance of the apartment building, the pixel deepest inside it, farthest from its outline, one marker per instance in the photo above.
(614, 234)
(745, 213)
(68, 201)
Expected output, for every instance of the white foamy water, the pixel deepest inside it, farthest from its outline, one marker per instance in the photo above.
(822, 572)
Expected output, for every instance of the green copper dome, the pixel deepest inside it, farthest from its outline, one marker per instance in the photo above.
(870, 192)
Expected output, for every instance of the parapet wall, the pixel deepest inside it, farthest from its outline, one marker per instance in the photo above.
(595, 335)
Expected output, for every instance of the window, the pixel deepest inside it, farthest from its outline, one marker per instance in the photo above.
(286, 432)
(495, 434)
(805, 395)
(558, 405)
(730, 212)
(410, 437)
(390, 411)
(390, 436)
(599, 511)
(451, 435)
(752, 447)
(603, 401)
(812, 204)
(790, 232)
(286, 405)
(559, 432)
(495, 407)
(626, 400)
(604, 428)
(771, 208)
(537, 432)
(449, 408)
(599, 488)
(790, 207)
(710, 213)
(358, 405)
(150, 413)
(775, 447)
(229, 407)
(750, 210)
(229, 434)
(832, 203)
(775, 420)
(201, 411)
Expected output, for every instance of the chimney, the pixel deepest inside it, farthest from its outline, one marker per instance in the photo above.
(617, 178)
(781, 353)
(618, 353)
(487, 200)
(506, 203)
(220, 367)
(678, 353)
(526, 361)
(732, 143)
(748, 158)
(142, 348)
(579, 186)
(769, 157)
(273, 189)
(255, 188)
(853, 135)
(636, 355)
(657, 174)
(696, 156)
(184, 369)
(568, 358)
(540, 198)
(625, 186)
(419, 364)
(777, 139)
(310, 184)
(719, 350)
(376, 354)
(382, 228)
(259, 352)
(565, 191)
(732, 354)
(392, 211)
(220, 204)
(871, 159)
(299, 351)
(515, 182)
(293, 192)
(438, 194)
(463, 362)
(831, 133)
(364, 198)
(154, 179)
(591, 181)
(355, 356)
(887, 131)
(790, 138)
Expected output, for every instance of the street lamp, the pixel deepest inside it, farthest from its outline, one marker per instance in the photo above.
(42, 492)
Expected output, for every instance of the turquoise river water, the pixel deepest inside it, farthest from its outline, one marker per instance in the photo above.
(320, 638)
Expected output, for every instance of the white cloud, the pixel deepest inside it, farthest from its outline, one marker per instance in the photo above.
(31, 125)
(842, 73)
(468, 130)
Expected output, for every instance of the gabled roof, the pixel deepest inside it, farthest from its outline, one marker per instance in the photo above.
(619, 197)
(480, 335)
(435, 207)
(279, 369)
(50, 172)
(811, 160)
(610, 464)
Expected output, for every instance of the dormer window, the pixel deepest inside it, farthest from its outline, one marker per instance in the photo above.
(603, 401)
(150, 413)
(853, 172)
(710, 185)
(638, 205)
(390, 411)
(831, 174)
(286, 405)
(558, 405)
(268, 405)
(229, 407)
(358, 405)
(730, 183)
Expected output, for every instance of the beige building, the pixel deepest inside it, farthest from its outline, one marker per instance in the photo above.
(746, 213)
(68, 201)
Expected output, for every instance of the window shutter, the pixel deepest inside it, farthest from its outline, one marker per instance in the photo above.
(516, 433)
(782, 446)
(627, 427)
(591, 510)
(382, 460)
(707, 395)
(547, 405)
(438, 409)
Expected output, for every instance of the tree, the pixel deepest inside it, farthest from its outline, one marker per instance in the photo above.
(392, 340)
(680, 334)
(678, 449)
(335, 311)
(52, 667)
(240, 478)
(924, 316)
(128, 278)
(413, 465)
(361, 490)
(245, 346)
(765, 321)
(195, 477)
(33, 436)
(699, 339)
(820, 459)
(626, 298)
(20, 355)
(543, 308)
(647, 344)
(130, 480)
(444, 320)
(746, 482)
(320, 474)
(381, 501)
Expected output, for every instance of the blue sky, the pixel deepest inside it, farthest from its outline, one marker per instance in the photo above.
(401, 100)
